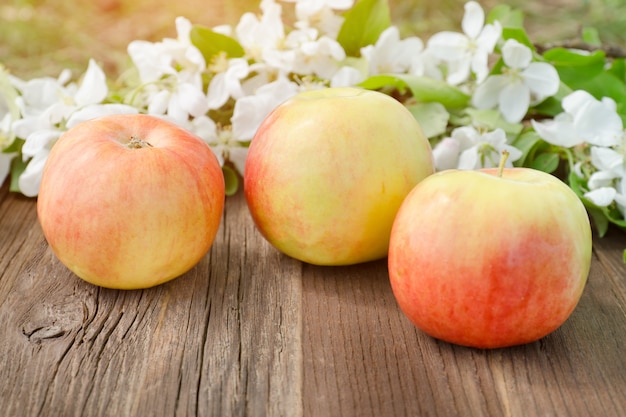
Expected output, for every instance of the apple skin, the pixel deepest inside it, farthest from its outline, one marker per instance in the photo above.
(486, 261)
(327, 171)
(130, 218)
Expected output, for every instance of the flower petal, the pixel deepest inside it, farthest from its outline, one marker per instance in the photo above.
(446, 154)
(98, 110)
(542, 79)
(516, 55)
(514, 101)
(601, 196)
(30, 180)
(560, 131)
(93, 88)
(487, 94)
(448, 46)
(473, 19)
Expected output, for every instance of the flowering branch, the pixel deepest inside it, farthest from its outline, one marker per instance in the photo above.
(476, 92)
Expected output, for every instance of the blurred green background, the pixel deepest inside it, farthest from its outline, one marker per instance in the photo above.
(41, 37)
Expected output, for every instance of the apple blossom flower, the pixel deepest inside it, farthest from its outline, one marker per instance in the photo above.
(320, 14)
(585, 119)
(48, 108)
(467, 148)
(261, 36)
(468, 51)
(6, 139)
(250, 111)
(226, 82)
(608, 183)
(171, 73)
(391, 54)
(521, 84)
(425, 64)
(156, 60)
(347, 76)
(314, 54)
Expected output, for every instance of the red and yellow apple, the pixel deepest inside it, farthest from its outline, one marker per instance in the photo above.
(327, 171)
(489, 261)
(130, 201)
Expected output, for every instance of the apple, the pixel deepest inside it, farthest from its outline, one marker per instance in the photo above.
(327, 171)
(489, 258)
(130, 201)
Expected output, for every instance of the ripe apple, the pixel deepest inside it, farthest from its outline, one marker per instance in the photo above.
(489, 260)
(130, 201)
(327, 171)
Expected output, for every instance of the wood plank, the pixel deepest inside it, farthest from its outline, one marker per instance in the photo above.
(366, 359)
(249, 331)
(221, 340)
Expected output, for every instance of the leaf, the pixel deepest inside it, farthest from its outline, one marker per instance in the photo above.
(547, 162)
(527, 142)
(423, 89)
(591, 36)
(507, 16)
(211, 43)
(519, 34)
(432, 117)
(231, 180)
(18, 166)
(15, 146)
(492, 119)
(600, 221)
(574, 67)
(363, 25)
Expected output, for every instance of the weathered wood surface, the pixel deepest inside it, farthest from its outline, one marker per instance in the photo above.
(250, 332)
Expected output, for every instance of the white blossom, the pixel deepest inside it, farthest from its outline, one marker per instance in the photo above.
(314, 54)
(250, 111)
(391, 54)
(321, 15)
(521, 84)
(49, 107)
(467, 52)
(260, 37)
(585, 119)
(608, 183)
(226, 83)
(468, 149)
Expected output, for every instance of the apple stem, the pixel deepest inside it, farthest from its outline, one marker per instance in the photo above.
(503, 158)
(136, 143)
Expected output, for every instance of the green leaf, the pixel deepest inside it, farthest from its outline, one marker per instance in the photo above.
(599, 219)
(432, 117)
(18, 165)
(618, 69)
(492, 119)
(574, 67)
(591, 36)
(15, 146)
(551, 106)
(507, 16)
(604, 84)
(211, 43)
(527, 142)
(546, 162)
(423, 89)
(363, 25)
(519, 34)
(231, 180)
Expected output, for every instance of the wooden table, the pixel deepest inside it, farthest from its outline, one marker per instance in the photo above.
(251, 332)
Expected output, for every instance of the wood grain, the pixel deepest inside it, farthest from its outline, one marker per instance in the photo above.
(368, 360)
(223, 340)
(251, 332)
